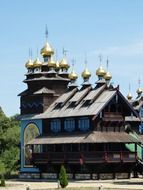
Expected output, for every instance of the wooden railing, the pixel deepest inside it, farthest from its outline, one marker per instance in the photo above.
(87, 157)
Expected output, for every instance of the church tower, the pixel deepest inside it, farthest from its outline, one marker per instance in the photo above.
(46, 81)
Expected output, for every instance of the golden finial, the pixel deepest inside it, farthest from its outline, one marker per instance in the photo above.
(37, 62)
(47, 50)
(29, 63)
(139, 90)
(129, 96)
(100, 72)
(107, 75)
(86, 73)
(63, 63)
(57, 65)
(73, 75)
(52, 63)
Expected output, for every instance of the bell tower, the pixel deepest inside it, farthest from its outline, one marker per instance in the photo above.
(46, 80)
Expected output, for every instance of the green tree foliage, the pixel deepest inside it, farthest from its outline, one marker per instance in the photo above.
(10, 158)
(2, 172)
(63, 177)
(9, 143)
(2, 168)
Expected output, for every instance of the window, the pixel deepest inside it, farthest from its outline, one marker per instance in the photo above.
(69, 125)
(141, 112)
(37, 70)
(83, 124)
(141, 128)
(55, 125)
(30, 70)
(36, 148)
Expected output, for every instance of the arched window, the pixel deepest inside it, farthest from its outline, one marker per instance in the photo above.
(31, 131)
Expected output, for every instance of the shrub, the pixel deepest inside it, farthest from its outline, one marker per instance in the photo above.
(63, 177)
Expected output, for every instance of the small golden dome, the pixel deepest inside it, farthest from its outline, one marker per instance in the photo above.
(29, 64)
(100, 71)
(64, 63)
(37, 63)
(73, 75)
(57, 65)
(52, 63)
(129, 96)
(107, 76)
(86, 74)
(139, 90)
(47, 50)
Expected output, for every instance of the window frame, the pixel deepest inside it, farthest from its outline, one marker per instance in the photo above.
(82, 122)
(69, 125)
(55, 125)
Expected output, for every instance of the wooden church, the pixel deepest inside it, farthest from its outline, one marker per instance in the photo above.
(81, 128)
(136, 124)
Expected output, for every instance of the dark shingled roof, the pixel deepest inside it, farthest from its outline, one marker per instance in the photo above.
(91, 137)
(44, 90)
(80, 110)
(84, 102)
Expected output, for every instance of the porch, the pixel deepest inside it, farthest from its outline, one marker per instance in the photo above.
(84, 157)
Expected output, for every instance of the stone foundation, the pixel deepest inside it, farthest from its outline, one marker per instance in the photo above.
(82, 176)
(122, 175)
(95, 176)
(28, 175)
(79, 176)
(49, 176)
(106, 176)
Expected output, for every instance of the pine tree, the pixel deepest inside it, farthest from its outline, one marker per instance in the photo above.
(63, 177)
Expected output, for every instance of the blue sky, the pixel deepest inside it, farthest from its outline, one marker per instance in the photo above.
(108, 27)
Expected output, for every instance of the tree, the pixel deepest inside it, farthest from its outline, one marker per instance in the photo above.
(2, 184)
(2, 172)
(63, 177)
(2, 168)
(9, 143)
(10, 158)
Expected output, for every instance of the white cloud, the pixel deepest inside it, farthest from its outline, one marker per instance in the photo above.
(125, 50)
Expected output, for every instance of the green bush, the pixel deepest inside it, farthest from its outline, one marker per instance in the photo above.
(2, 184)
(63, 177)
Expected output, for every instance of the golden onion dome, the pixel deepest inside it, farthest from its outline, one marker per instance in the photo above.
(107, 76)
(29, 64)
(52, 63)
(129, 96)
(86, 74)
(37, 63)
(100, 71)
(47, 50)
(64, 63)
(57, 65)
(73, 75)
(139, 90)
